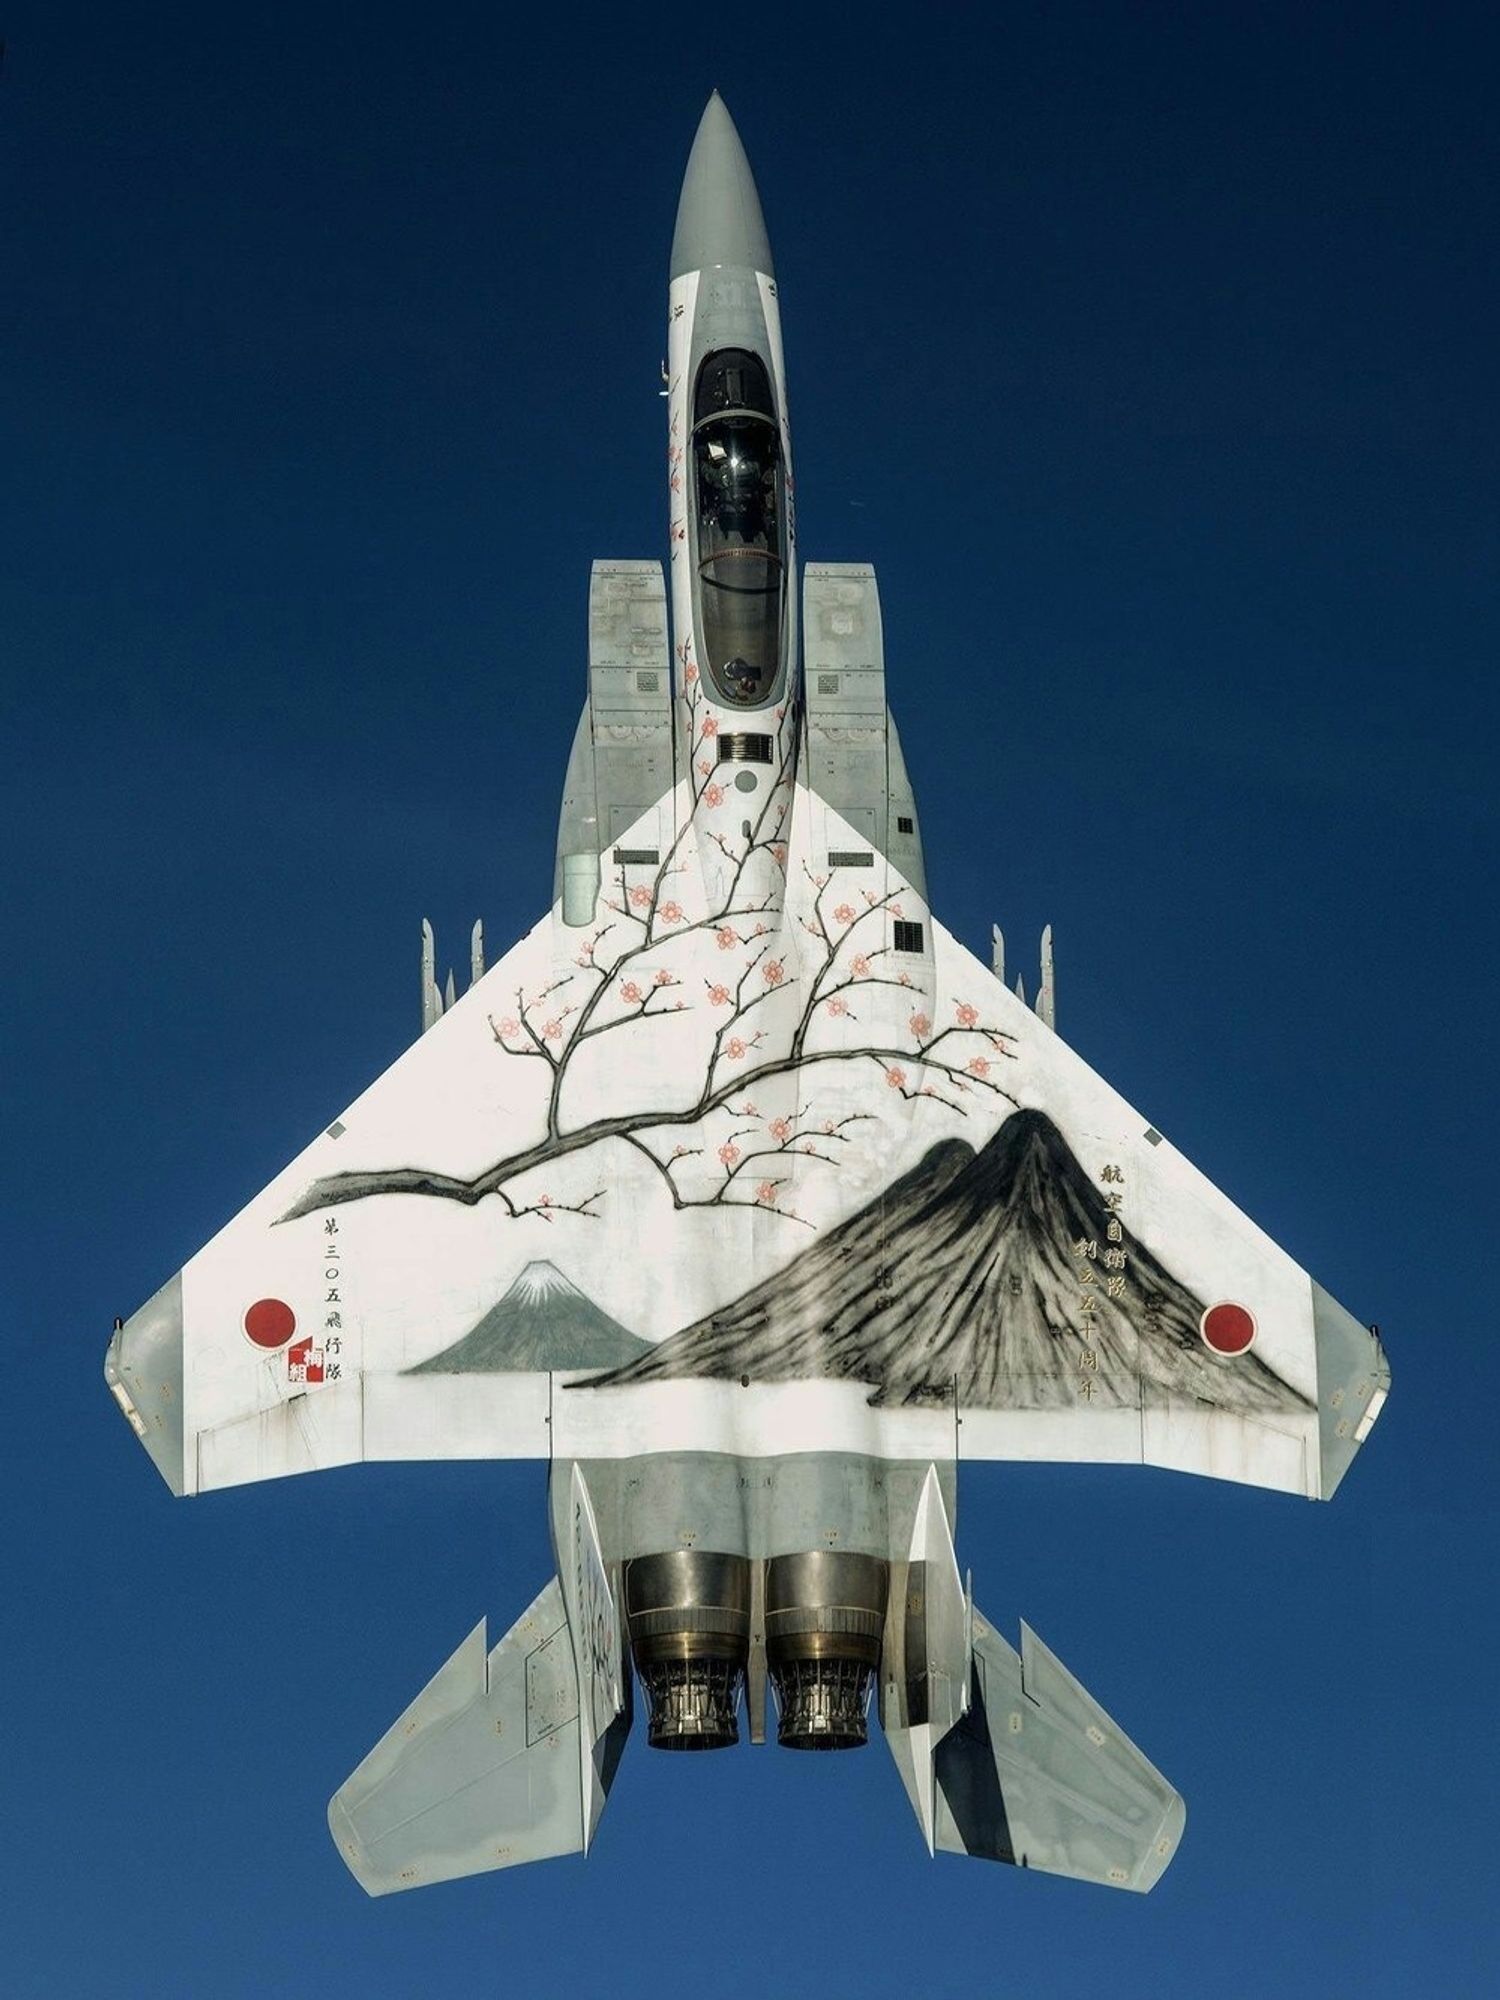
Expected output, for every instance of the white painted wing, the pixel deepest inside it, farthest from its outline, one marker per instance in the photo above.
(1111, 1303)
(302, 1337)
(1022, 1249)
(759, 1161)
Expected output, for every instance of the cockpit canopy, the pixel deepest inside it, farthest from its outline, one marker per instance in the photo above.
(740, 520)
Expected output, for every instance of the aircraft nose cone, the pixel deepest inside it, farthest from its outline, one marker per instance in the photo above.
(718, 214)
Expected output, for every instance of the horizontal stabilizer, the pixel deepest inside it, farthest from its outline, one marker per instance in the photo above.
(1038, 1775)
(482, 1771)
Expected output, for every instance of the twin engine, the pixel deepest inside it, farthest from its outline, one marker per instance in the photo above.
(702, 1624)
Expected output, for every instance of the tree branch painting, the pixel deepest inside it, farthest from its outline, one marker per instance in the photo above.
(705, 935)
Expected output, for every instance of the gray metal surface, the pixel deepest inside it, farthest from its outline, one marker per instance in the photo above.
(622, 758)
(854, 758)
(718, 213)
(143, 1367)
(432, 999)
(688, 1614)
(825, 1617)
(481, 1772)
(758, 1507)
(1038, 1775)
(925, 1667)
(1354, 1379)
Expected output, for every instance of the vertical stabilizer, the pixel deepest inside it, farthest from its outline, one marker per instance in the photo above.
(925, 1671)
(598, 1650)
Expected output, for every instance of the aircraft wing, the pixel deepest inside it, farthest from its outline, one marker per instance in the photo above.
(1112, 1303)
(293, 1340)
(1027, 1254)
(768, 1168)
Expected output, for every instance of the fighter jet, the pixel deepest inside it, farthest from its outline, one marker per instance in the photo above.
(741, 1193)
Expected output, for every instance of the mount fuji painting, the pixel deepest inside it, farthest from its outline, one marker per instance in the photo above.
(543, 1322)
(977, 1274)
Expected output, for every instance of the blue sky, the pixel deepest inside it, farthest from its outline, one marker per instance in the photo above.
(1149, 355)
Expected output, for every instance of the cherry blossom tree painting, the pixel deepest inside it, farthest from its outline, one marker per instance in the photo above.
(729, 991)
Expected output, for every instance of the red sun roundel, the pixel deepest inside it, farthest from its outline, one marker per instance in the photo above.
(1228, 1328)
(270, 1322)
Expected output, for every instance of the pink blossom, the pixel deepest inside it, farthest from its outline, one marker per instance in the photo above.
(759, 931)
(718, 996)
(552, 1030)
(679, 1152)
(860, 966)
(663, 978)
(896, 1077)
(510, 1026)
(726, 937)
(895, 909)
(544, 1201)
(713, 795)
(778, 855)
(734, 1048)
(837, 1006)
(690, 673)
(710, 725)
(965, 1014)
(631, 993)
(781, 1130)
(773, 972)
(766, 1192)
(844, 914)
(920, 1026)
(978, 1066)
(705, 767)
(729, 1152)
(670, 913)
(640, 897)
(904, 979)
(748, 1110)
(829, 1128)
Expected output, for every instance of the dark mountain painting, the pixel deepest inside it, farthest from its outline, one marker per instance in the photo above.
(968, 1273)
(543, 1322)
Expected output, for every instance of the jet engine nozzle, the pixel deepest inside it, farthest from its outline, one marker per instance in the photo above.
(688, 1612)
(825, 1618)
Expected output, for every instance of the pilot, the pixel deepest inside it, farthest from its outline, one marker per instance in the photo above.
(742, 677)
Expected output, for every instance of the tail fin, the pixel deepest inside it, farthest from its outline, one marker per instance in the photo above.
(485, 1769)
(1035, 1773)
(1003, 1754)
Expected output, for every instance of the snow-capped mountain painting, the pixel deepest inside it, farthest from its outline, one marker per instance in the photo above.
(543, 1322)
